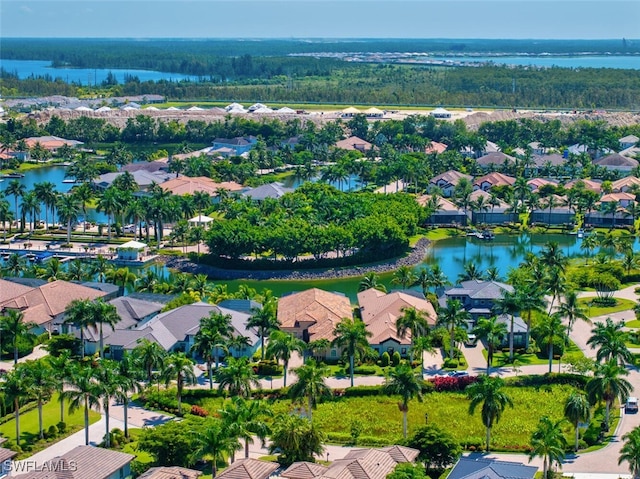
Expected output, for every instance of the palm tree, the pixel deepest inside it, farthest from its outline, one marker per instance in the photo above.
(111, 202)
(83, 393)
(281, 346)
(589, 244)
(237, 377)
(610, 338)
(406, 383)
(572, 310)
(15, 388)
(414, 322)
(471, 272)
(150, 355)
(104, 313)
(310, 384)
(577, 410)
(630, 451)
(16, 189)
(218, 329)
(370, 280)
(264, 320)
(551, 330)
(205, 342)
(246, 419)
(68, 210)
(61, 370)
(607, 385)
(31, 206)
(84, 194)
(40, 382)
(129, 375)
(15, 265)
(351, 335)
(404, 276)
(46, 193)
(452, 316)
(178, 367)
(548, 442)
(488, 392)
(214, 440)
(80, 313)
(493, 333)
(15, 328)
(107, 385)
(5, 215)
(509, 304)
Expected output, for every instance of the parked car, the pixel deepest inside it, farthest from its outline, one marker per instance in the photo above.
(631, 406)
(128, 229)
(457, 374)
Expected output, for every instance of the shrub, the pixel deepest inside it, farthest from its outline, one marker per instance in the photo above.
(199, 411)
(52, 431)
(385, 359)
(365, 370)
(395, 359)
(268, 367)
(446, 383)
(362, 391)
(450, 363)
(62, 427)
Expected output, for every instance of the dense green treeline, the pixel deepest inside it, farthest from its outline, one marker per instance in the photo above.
(390, 85)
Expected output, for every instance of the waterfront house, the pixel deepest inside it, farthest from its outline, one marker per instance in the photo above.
(185, 185)
(469, 467)
(447, 181)
(628, 141)
(353, 143)
(486, 182)
(559, 214)
(83, 462)
(490, 214)
(51, 143)
(380, 312)
(238, 145)
(313, 314)
(446, 213)
(142, 177)
(617, 162)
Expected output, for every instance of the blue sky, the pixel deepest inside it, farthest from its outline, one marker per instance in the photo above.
(559, 19)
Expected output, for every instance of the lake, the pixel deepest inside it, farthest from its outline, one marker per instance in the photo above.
(581, 61)
(84, 76)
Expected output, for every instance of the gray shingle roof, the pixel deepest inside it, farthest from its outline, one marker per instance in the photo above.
(480, 289)
(270, 190)
(480, 468)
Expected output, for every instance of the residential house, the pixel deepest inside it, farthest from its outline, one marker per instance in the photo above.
(494, 160)
(537, 148)
(170, 472)
(313, 314)
(628, 141)
(380, 312)
(175, 330)
(617, 162)
(623, 200)
(143, 178)
(588, 184)
(354, 143)
(546, 162)
(559, 214)
(491, 214)
(149, 166)
(51, 143)
(486, 182)
(357, 464)
(435, 147)
(249, 469)
(447, 181)
(470, 152)
(269, 190)
(469, 467)
(631, 152)
(238, 145)
(291, 142)
(44, 304)
(536, 183)
(446, 214)
(185, 185)
(479, 299)
(84, 462)
(579, 149)
(625, 184)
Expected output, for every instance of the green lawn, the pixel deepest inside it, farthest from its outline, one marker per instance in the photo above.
(634, 323)
(51, 416)
(382, 421)
(593, 311)
(501, 358)
(442, 233)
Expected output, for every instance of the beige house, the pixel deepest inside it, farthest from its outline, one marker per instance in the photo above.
(354, 143)
(380, 312)
(172, 472)
(313, 314)
(249, 469)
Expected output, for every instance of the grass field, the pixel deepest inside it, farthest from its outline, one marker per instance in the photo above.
(51, 417)
(382, 421)
(501, 358)
(593, 311)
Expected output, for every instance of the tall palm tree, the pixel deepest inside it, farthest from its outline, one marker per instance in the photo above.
(84, 194)
(246, 419)
(414, 322)
(5, 215)
(83, 393)
(471, 272)
(406, 383)
(30, 206)
(15, 388)
(608, 384)
(80, 313)
(150, 355)
(61, 370)
(40, 382)
(237, 377)
(551, 330)
(509, 304)
(68, 209)
(16, 189)
(205, 342)
(104, 313)
(452, 316)
(610, 339)
(589, 244)
(46, 194)
(14, 327)
(107, 386)
(218, 329)
(129, 382)
(370, 280)
(310, 384)
(281, 346)
(630, 451)
(215, 441)
(351, 335)
(493, 333)
(548, 442)
(178, 367)
(264, 320)
(111, 202)
(572, 310)
(404, 276)
(577, 410)
(487, 391)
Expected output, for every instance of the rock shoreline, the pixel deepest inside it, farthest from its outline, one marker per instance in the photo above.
(185, 266)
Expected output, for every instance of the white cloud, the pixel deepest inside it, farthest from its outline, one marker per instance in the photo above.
(26, 9)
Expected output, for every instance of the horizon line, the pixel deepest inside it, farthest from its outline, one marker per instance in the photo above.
(326, 38)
